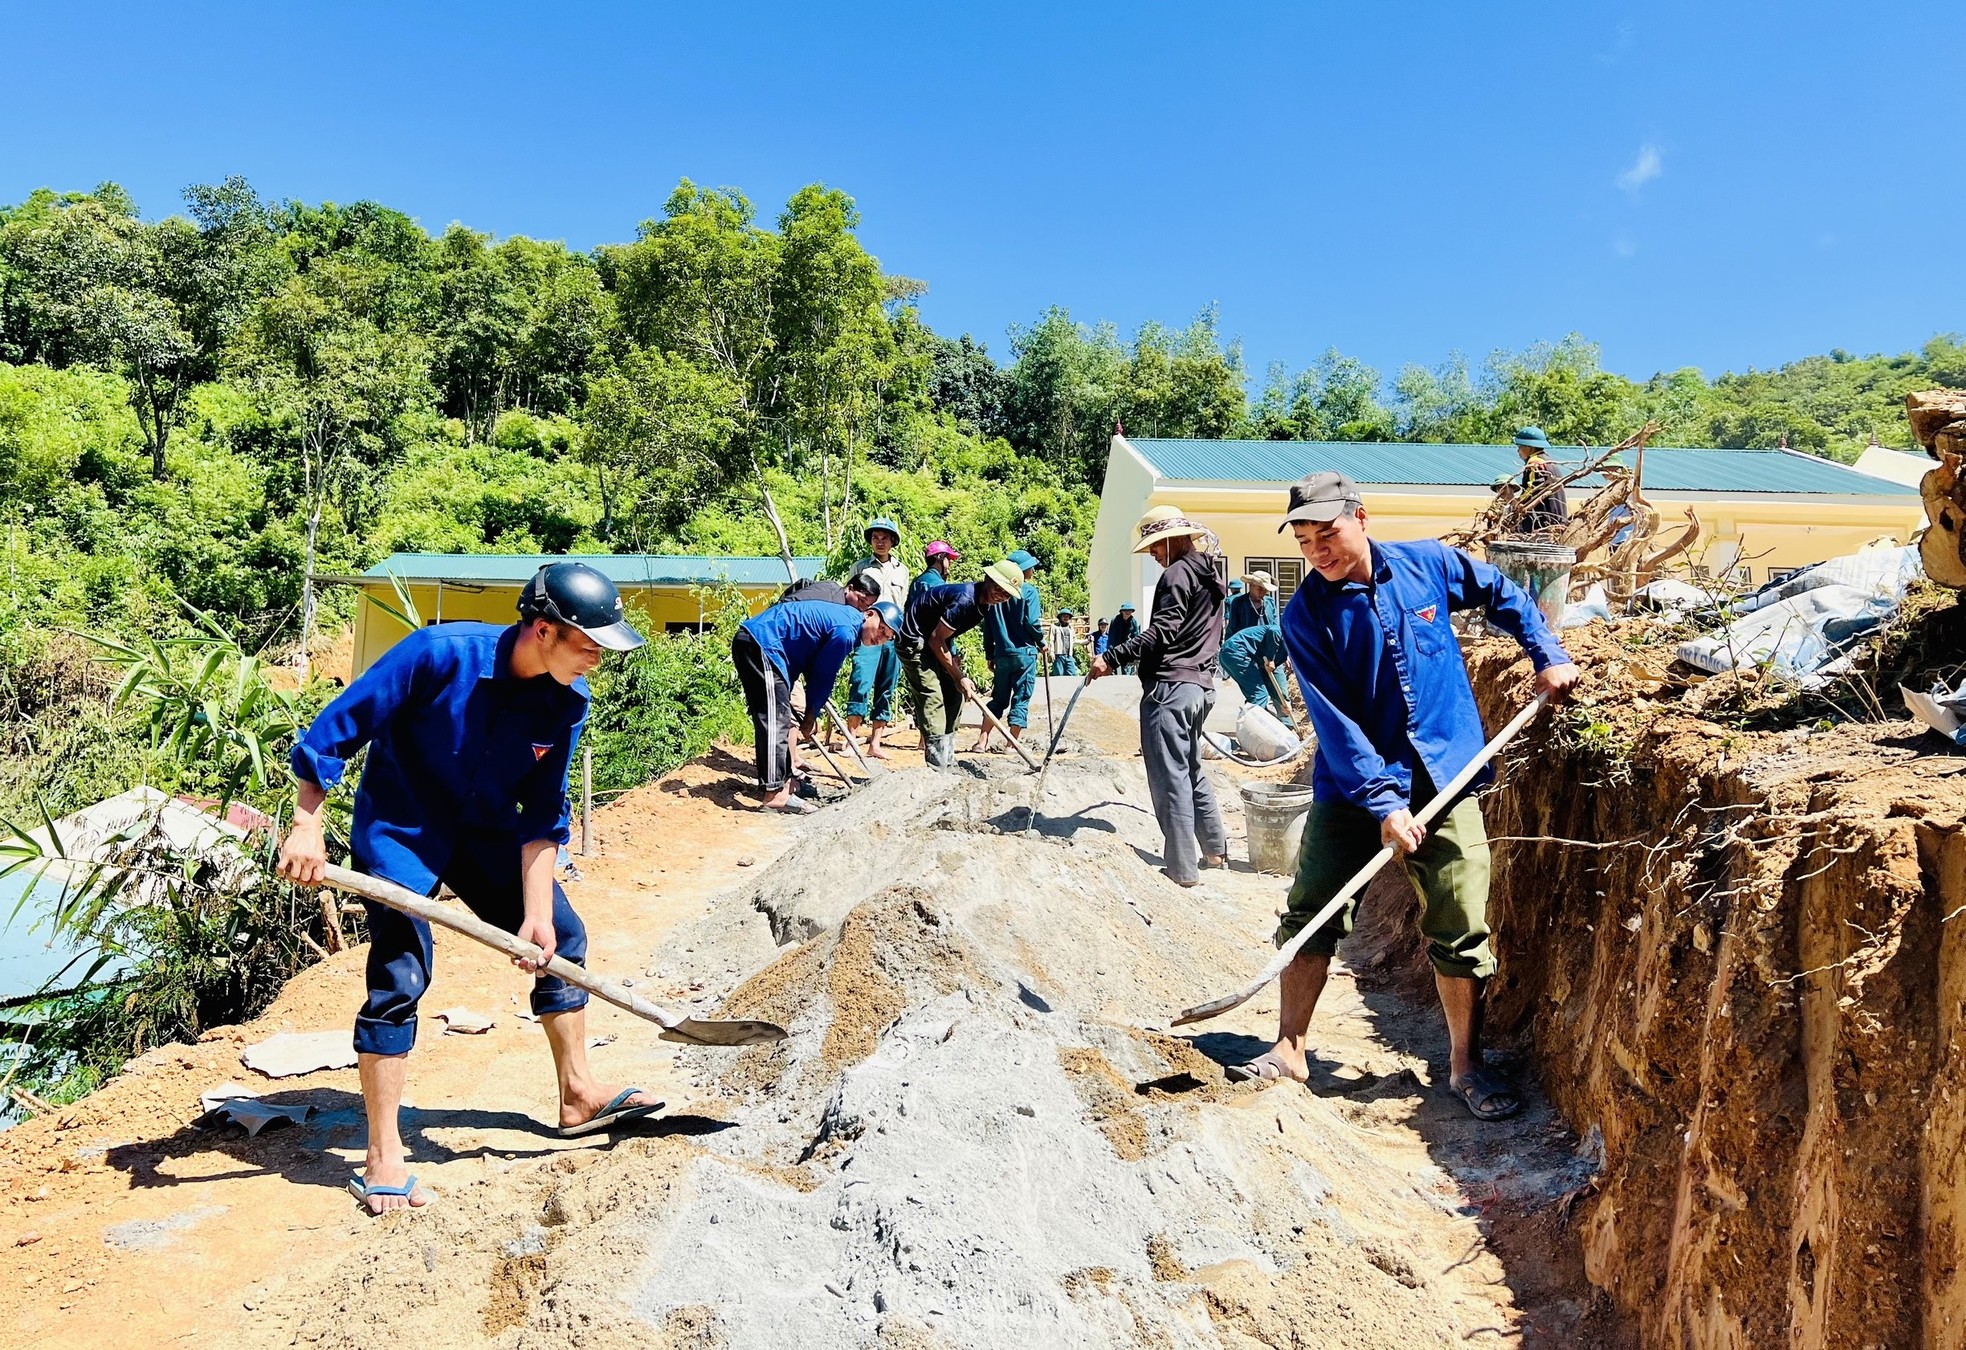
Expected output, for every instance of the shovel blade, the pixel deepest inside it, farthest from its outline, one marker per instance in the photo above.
(1215, 1007)
(712, 1031)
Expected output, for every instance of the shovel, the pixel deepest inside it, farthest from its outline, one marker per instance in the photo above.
(1037, 793)
(990, 719)
(1201, 1012)
(675, 1026)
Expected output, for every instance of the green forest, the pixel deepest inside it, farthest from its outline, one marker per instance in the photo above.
(201, 409)
(198, 408)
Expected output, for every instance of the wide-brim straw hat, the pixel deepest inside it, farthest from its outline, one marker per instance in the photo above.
(1164, 522)
(1263, 579)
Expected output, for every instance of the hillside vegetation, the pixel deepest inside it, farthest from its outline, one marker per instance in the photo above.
(201, 408)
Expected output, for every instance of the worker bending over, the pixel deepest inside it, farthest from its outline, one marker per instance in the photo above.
(930, 665)
(805, 640)
(1011, 634)
(1177, 653)
(1395, 716)
(1249, 658)
(470, 729)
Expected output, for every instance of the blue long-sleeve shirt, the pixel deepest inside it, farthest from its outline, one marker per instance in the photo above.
(457, 745)
(809, 640)
(1382, 673)
(1017, 626)
(1242, 612)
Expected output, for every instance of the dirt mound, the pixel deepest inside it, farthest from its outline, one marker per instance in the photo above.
(972, 1136)
(1734, 951)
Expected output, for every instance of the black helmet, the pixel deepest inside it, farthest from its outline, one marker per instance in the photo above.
(575, 594)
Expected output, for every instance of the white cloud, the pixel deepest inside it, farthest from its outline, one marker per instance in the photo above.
(1649, 165)
(1624, 245)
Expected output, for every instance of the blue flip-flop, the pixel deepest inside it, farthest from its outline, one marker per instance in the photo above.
(613, 1113)
(362, 1190)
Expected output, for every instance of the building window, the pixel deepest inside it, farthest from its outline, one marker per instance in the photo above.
(698, 627)
(1776, 574)
(1289, 573)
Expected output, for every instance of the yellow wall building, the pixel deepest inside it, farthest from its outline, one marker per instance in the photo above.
(665, 592)
(1764, 512)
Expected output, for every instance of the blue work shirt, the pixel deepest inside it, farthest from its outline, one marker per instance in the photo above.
(952, 602)
(1243, 612)
(1018, 627)
(1382, 672)
(458, 744)
(807, 639)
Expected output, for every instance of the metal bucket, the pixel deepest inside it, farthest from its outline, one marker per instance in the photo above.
(1541, 569)
(1271, 810)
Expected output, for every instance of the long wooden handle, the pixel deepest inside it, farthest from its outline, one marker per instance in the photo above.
(1288, 952)
(990, 719)
(846, 734)
(675, 1026)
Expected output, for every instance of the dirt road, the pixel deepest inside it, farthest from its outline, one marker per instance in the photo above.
(121, 1223)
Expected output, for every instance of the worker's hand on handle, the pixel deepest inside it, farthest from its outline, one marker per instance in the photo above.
(1098, 668)
(1557, 681)
(1400, 831)
(304, 855)
(536, 863)
(970, 690)
(539, 932)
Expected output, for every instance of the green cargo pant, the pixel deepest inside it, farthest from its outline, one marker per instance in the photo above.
(936, 699)
(1449, 871)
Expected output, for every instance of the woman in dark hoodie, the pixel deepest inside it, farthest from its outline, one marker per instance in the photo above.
(1176, 654)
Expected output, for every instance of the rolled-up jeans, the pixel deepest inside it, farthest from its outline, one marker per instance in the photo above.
(1171, 717)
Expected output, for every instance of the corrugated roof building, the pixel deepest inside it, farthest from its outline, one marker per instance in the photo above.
(665, 591)
(1765, 512)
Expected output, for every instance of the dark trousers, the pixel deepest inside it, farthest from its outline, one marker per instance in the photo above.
(484, 874)
(769, 700)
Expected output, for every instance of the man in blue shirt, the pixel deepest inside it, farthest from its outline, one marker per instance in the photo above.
(930, 666)
(791, 641)
(1247, 659)
(470, 729)
(1389, 698)
(1012, 632)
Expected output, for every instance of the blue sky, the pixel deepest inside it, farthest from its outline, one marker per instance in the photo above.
(1687, 184)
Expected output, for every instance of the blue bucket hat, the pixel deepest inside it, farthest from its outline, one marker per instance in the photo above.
(881, 523)
(1024, 560)
(1126, 605)
(1533, 438)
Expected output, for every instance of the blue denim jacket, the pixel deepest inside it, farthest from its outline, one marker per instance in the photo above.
(457, 745)
(1382, 672)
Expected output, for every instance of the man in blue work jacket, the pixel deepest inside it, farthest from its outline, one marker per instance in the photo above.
(1389, 697)
(470, 730)
(791, 641)
(1012, 632)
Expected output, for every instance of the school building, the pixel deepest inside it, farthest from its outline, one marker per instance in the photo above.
(1763, 512)
(666, 594)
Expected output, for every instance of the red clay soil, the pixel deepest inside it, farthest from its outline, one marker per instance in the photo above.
(124, 1224)
(1734, 953)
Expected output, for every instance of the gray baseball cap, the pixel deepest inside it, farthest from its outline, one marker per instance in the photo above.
(1321, 497)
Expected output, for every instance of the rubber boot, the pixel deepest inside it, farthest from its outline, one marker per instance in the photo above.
(940, 752)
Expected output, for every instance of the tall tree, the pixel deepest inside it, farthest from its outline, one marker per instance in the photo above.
(332, 386)
(156, 302)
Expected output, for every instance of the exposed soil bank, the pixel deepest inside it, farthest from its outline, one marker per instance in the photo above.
(1745, 976)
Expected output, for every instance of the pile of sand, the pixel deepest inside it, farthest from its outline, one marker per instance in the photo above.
(974, 1135)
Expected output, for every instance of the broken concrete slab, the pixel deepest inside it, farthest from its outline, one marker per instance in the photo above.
(292, 1053)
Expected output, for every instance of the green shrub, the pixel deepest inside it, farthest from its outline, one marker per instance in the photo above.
(666, 702)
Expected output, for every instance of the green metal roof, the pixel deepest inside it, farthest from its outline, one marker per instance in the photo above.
(623, 569)
(1667, 469)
